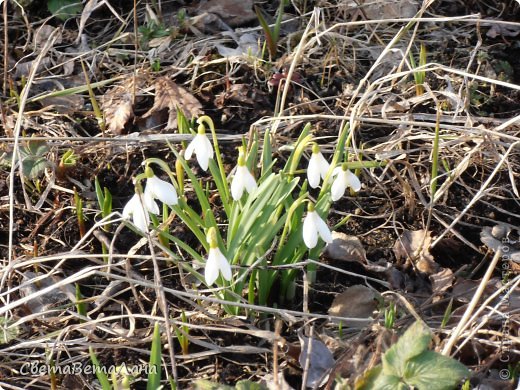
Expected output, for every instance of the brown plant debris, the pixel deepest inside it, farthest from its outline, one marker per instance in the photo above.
(413, 248)
(169, 95)
(356, 301)
(117, 105)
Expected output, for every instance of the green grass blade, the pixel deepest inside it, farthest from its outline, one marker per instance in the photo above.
(154, 377)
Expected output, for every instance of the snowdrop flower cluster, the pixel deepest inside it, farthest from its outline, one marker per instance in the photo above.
(314, 226)
(343, 178)
(201, 146)
(216, 262)
(140, 204)
(318, 167)
(243, 179)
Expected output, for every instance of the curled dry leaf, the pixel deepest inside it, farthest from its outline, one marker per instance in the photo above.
(412, 247)
(169, 95)
(356, 301)
(118, 104)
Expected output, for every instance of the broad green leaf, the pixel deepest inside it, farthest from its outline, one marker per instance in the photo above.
(388, 382)
(33, 167)
(64, 9)
(36, 147)
(412, 343)
(433, 371)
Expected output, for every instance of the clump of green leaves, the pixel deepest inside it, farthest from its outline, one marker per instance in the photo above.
(272, 35)
(64, 9)
(34, 159)
(409, 364)
(419, 76)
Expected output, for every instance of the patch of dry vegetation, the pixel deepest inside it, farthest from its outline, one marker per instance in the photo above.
(440, 245)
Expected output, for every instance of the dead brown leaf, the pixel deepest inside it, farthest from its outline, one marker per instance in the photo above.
(441, 281)
(413, 248)
(356, 301)
(117, 105)
(169, 95)
(346, 248)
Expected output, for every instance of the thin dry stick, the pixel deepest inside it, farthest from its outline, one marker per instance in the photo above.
(463, 323)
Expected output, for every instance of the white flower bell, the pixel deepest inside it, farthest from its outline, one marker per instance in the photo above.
(344, 179)
(314, 226)
(137, 210)
(159, 189)
(217, 262)
(243, 179)
(202, 147)
(318, 167)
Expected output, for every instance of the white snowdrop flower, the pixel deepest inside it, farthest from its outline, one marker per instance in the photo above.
(159, 189)
(202, 147)
(243, 179)
(344, 179)
(216, 262)
(314, 226)
(135, 209)
(318, 167)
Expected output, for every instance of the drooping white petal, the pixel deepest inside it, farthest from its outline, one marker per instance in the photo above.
(353, 181)
(135, 209)
(323, 165)
(323, 230)
(216, 263)
(318, 167)
(201, 146)
(190, 149)
(310, 233)
(162, 190)
(250, 181)
(141, 219)
(339, 185)
(128, 210)
(237, 185)
(207, 145)
(337, 171)
(149, 201)
(224, 266)
(212, 267)
(243, 179)
(313, 172)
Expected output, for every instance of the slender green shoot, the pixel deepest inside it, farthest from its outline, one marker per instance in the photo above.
(154, 375)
